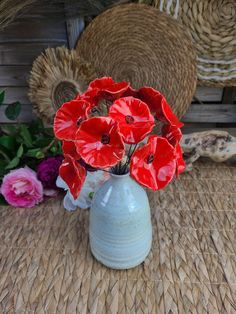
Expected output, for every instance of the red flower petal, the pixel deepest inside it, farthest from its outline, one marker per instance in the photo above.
(158, 104)
(154, 164)
(68, 117)
(151, 97)
(166, 115)
(108, 88)
(99, 142)
(172, 134)
(68, 148)
(130, 92)
(91, 96)
(134, 119)
(179, 160)
(73, 174)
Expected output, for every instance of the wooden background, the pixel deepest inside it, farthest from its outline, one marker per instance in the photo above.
(28, 36)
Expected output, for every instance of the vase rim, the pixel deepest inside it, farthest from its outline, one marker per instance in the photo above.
(120, 175)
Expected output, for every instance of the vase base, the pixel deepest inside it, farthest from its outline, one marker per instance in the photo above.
(120, 264)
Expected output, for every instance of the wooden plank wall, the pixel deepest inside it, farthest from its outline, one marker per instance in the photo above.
(20, 43)
(24, 39)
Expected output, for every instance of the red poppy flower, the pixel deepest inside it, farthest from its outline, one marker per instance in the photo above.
(166, 115)
(172, 134)
(68, 118)
(99, 142)
(134, 119)
(68, 148)
(73, 174)
(107, 88)
(180, 163)
(154, 164)
(151, 97)
(130, 92)
(91, 96)
(158, 104)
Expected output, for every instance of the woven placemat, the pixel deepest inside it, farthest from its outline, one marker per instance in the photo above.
(46, 265)
(212, 25)
(144, 46)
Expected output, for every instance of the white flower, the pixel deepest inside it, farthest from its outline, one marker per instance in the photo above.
(92, 182)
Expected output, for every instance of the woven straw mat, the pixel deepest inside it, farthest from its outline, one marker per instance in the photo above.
(212, 25)
(46, 265)
(123, 43)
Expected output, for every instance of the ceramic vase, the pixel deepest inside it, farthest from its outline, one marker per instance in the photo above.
(120, 228)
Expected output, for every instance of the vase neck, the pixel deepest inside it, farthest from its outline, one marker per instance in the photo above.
(120, 176)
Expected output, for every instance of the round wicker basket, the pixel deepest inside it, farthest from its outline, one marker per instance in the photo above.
(138, 43)
(212, 25)
(57, 76)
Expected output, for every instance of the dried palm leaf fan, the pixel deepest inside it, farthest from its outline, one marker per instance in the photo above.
(212, 25)
(57, 76)
(144, 46)
(11, 9)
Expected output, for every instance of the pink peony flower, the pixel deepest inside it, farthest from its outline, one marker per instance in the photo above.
(21, 188)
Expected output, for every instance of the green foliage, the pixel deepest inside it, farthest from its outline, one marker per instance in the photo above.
(13, 110)
(13, 163)
(26, 136)
(8, 142)
(24, 144)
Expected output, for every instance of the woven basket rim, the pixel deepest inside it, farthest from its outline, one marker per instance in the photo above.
(211, 24)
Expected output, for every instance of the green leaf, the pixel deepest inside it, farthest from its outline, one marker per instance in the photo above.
(53, 149)
(2, 96)
(8, 142)
(20, 151)
(40, 155)
(26, 136)
(32, 152)
(13, 163)
(35, 153)
(13, 110)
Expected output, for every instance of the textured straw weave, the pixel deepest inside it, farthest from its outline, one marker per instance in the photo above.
(57, 76)
(144, 46)
(46, 265)
(212, 25)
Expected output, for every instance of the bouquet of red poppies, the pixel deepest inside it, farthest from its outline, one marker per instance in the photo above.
(109, 128)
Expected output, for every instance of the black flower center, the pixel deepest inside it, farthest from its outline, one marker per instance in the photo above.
(150, 158)
(94, 110)
(105, 139)
(79, 121)
(129, 119)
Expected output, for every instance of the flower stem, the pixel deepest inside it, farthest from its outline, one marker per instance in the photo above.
(130, 154)
(45, 149)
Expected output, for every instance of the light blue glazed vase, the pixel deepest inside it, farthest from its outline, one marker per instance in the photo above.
(120, 228)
